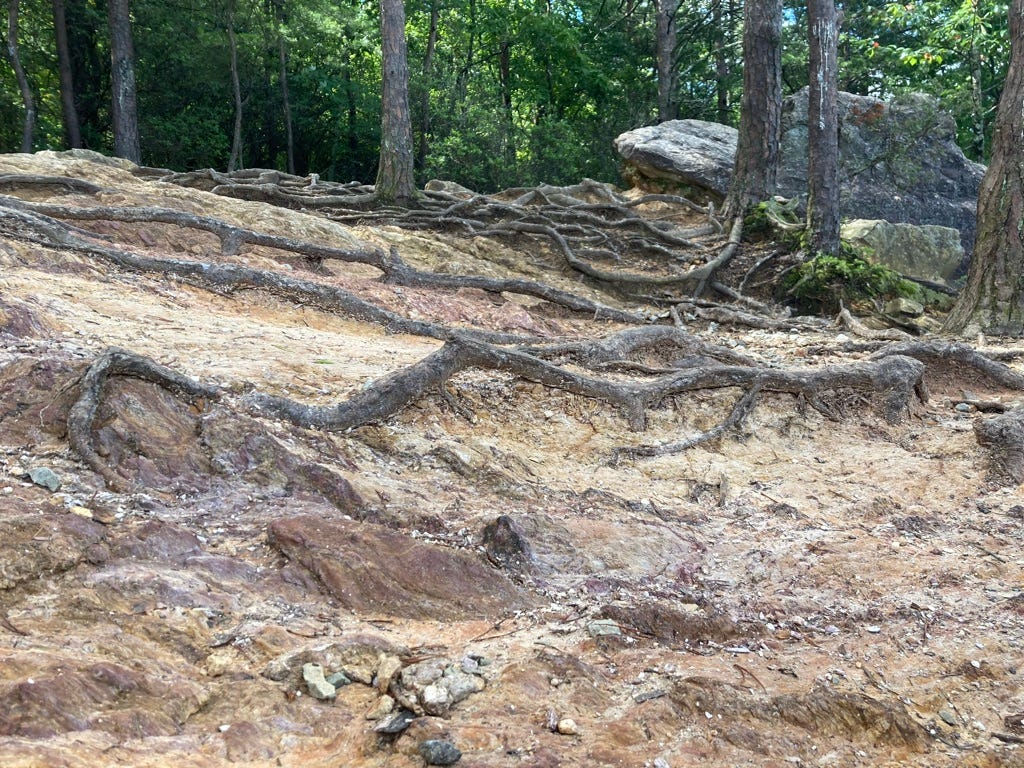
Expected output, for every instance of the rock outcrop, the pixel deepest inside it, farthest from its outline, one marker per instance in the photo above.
(927, 252)
(899, 160)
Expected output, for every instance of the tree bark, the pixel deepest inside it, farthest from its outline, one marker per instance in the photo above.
(428, 69)
(72, 128)
(823, 128)
(993, 298)
(282, 56)
(757, 150)
(665, 39)
(122, 71)
(19, 73)
(236, 88)
(395, 182)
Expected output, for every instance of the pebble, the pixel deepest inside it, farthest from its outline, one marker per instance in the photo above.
(567, 727)
(438, 752)
(603, 628)
(963, 408)
(387, 668)
(948, 717)
(45, 477)
(396, 722)
(435, 699)
(318, 687)
(339, 680)
(385, 706)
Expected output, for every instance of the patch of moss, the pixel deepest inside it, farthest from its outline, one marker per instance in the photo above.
(824, 281)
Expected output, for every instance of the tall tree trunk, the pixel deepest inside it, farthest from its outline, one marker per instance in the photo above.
(395, 182)
(823, 128)
(282, 55)
(993, 298)
(721, 21)
(122, 73)
(428, 69)
(665, 46)
(236, 88)
(72, 129)
(28, 131)
(88, 72)
(757, 150)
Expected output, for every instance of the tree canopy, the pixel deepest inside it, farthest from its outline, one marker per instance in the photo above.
(502, 93)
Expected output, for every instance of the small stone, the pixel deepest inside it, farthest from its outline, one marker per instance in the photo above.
(81, 511)
(567, 727)
(385, 706)
(438, 752)
(387, 668)
(603, 628)
(339, 680)
(460, 685)
(947, 717)
(396, 722)
(902, 306)
(436, 700)
(318, 687)
(45, 477)
(962, 408)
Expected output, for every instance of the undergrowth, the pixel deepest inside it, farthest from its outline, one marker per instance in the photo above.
(824, 282)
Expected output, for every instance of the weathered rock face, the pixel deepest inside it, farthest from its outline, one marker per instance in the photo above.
(899, 161)
(928, 252)
(369, 568)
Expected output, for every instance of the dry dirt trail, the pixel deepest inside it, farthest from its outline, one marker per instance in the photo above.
(495, 577)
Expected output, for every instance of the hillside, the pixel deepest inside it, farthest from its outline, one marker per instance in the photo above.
(471, 531)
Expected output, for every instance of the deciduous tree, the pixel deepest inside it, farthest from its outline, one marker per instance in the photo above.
(14, 59)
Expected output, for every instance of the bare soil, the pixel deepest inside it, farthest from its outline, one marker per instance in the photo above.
(803, 591)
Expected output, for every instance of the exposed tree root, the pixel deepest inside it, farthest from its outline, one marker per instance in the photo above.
(947, 354)
(586, 221)
(1004, 437)
(394, 269)
(120, 362)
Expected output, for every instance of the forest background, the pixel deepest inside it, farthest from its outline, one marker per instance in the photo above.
(502, 92)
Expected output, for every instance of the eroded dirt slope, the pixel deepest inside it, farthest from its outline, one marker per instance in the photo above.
(805, 591)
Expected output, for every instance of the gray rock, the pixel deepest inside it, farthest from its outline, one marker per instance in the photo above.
(319, 688)
(339, 679)
(436, 700)
(438, 752)
(692, 152)
(461, 685)
(45, 477)
(902, 306)
(396, 722)
(927, 251)
(603, 628)
(899, 160)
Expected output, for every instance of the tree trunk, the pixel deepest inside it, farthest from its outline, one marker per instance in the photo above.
(282, 55)
(122, 72)
(72, 129)
(665, 44)
(823, 128)
(993, 298)
(721, 21)
(395, 181)
(236, 139)
(428, 68)
(19, 73)
(757, 150)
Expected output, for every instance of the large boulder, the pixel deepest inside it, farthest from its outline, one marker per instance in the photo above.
(899, 160)
(928, 252)
(694, 153)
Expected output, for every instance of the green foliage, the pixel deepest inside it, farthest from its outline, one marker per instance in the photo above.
(518, 91)
(824, 281)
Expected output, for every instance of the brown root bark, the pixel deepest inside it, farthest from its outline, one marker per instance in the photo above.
(1003, 435)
